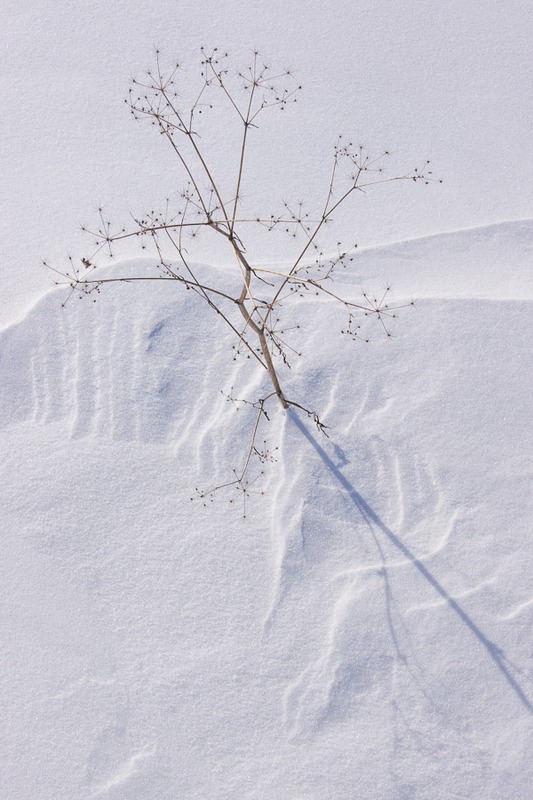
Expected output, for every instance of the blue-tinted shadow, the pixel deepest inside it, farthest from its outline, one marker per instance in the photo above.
(371, 518)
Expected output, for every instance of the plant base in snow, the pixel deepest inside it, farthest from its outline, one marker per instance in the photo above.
(258, 454)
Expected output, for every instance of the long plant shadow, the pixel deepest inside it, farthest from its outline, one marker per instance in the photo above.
(372, 519)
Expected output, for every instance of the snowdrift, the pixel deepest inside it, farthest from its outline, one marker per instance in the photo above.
(363, 632)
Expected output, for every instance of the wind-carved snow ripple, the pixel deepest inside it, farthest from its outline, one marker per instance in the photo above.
(116, 368)
(353, 665)
(332, 584)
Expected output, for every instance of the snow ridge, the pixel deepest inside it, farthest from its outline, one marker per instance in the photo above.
(365, 626)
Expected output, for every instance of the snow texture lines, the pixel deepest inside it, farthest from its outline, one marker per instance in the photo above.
(520, 608)
(352, 666)
(48, 374)
(111, 764)
(102, 370)
(362, 628)
(89, 339)
(287, 542)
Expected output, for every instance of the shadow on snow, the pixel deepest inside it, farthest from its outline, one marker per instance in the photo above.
(373, 521)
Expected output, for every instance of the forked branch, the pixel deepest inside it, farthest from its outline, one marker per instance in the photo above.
(251, 301)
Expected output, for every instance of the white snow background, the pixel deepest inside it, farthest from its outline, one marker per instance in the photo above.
(365, 632)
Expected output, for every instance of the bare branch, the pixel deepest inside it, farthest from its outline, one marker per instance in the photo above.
(249, 299)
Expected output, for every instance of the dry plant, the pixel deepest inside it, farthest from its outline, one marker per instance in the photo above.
(254, 312)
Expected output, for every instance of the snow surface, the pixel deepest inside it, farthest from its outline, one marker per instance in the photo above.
(450, 81)
(364, 632)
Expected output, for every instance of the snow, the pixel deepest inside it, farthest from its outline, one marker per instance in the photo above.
(364, 630)
(424, 79)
